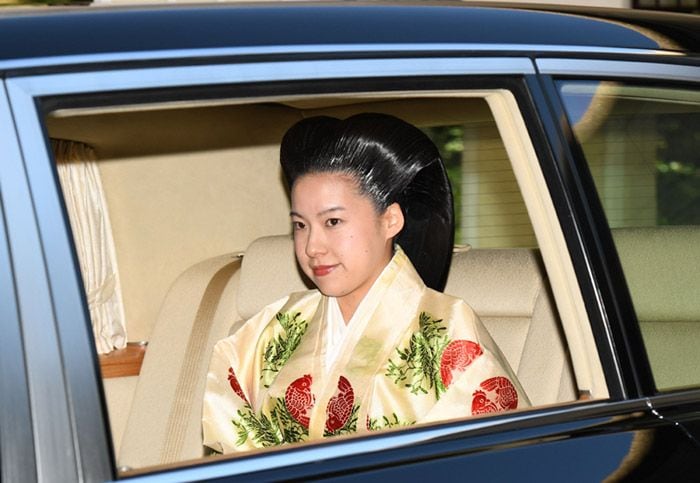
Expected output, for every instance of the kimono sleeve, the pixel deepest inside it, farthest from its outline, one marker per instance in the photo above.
(476, 376)
(233, 383)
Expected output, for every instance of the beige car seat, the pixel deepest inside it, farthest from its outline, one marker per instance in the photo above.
(164, 423)
(505, 287)
(206, 303)
(662, 268)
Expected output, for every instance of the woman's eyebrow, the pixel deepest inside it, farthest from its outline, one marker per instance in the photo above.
(330, 210)
(320, 213)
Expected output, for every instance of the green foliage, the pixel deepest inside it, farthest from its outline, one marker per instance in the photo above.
(678, 170)
(263, 430)
(292, 429)
(375, 424)
(280, 427)
(280, 349)
(419, 364)
(450, 143)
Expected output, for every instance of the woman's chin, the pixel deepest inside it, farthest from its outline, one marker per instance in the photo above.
(329, 292)
(329, 289)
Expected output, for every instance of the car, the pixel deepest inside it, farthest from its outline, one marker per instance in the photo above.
(141, 201)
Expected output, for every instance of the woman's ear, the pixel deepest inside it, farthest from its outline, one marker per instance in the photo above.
(393, 220)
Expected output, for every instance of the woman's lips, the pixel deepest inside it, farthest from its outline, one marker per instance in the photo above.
(322, 270)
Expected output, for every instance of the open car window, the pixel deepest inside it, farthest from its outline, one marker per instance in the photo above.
(166, 199)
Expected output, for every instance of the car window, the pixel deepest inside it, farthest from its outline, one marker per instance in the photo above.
(166, 199)
(641, 143)
(489, 209)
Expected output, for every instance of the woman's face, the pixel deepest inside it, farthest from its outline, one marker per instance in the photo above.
(341, 242)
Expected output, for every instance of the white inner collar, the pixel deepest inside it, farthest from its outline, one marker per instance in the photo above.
(335, 332)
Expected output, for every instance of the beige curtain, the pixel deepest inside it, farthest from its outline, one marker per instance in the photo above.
(92, 233)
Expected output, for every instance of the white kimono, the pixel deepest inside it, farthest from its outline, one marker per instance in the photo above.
(410, 355)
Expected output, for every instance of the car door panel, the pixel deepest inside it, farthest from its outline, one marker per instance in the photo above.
(640, 437)
(17, 459)
(584, 444)
(679, 409)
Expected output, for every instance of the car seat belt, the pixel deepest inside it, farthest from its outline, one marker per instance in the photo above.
(176, 426)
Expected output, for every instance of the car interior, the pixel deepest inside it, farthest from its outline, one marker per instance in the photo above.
(640, 142)
(199, 216)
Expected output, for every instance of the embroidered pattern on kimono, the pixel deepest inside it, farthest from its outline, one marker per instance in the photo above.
(279, 350)
(288, 421)
(412, 355)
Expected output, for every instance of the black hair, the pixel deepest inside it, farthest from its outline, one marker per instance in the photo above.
(392, 161)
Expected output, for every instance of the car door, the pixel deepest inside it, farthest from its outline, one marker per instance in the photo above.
(42, 398)
(16, 441)
(654, 137)
(69, 428)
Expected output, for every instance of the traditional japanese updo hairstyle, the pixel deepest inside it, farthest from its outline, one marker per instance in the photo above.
(391, 161)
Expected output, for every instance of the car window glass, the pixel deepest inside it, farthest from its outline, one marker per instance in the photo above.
(642, 143)
(168, 199)
(489, 209)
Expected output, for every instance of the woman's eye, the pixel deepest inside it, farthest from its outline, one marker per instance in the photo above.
(298, 225)
(333, 222)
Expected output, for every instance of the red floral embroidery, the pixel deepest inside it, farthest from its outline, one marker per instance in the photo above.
(233, 380)
(499, 395)
(298, 399)
(456, 357)
(340, 406)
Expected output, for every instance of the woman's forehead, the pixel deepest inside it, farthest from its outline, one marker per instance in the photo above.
(329, 176)
(329, 182)
(315, 194)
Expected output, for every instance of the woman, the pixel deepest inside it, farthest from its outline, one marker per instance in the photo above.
(373, 347)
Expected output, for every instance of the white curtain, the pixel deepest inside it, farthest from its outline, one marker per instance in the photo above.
(92, 233)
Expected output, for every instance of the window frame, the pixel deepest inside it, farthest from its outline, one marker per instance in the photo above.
(17, 459)
(605, 273)
(64, 299)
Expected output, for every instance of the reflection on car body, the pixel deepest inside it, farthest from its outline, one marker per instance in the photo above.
(570, 136)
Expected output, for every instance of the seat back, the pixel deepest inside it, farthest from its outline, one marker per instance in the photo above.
(202, 307)
(164, 423)
(269, 272)
(508, 290)
(662, 269)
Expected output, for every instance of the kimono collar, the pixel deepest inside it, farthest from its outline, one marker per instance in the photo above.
(398, 267)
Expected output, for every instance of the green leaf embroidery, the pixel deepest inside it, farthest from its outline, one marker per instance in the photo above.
(374, 424)
(418, 367)
(293, 430)
(263, 430)
(280, 427)
(280, 349)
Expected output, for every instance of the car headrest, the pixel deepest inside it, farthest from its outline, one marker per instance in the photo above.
(269, 272)
(496, 282)
(662, 268)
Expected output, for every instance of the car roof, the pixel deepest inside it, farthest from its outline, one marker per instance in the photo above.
(52, 32)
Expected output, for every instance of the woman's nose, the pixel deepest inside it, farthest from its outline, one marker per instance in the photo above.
(315, 244)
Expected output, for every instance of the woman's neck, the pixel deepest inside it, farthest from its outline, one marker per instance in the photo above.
(349, 302)
(348, 308)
